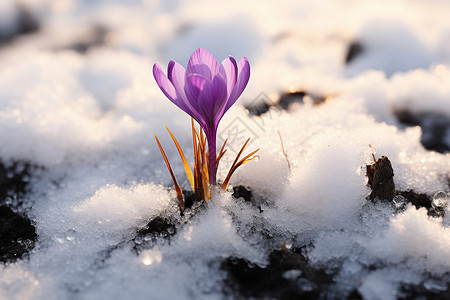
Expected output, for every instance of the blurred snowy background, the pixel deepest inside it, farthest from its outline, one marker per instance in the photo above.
(79, 108)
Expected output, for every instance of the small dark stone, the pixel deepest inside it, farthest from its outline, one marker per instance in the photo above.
(355, 49)
(381, 179)
(242, 191)
(17, 235)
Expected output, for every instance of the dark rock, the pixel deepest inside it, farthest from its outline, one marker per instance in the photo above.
(17, 235)
(381, 179)
(355, 49)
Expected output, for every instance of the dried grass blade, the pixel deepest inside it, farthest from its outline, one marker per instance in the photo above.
(175, 183)
(237, 164)
(221, 153)
(220, 156)
(187, 169)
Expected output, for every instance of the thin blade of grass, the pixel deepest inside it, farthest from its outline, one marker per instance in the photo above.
(175, 183)
(187, 169)
(284, 152)
(220, 156)
(240, 152)
(237, 165)
(206, 193)
(221, 153)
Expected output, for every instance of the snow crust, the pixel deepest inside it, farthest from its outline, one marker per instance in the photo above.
(86, 121)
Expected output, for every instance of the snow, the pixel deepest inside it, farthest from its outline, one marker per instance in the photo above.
(85, 121)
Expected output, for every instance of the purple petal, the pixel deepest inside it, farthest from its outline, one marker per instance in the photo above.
(176, 74)
(241, 83)
(164, 84)
(193, 87)
(213, 99)
(229, 71)
(202, 62)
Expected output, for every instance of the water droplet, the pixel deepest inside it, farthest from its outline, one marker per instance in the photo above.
(70, 234)
(399, 201)
(148, 237)
(434, 285)
(305, 285)
(170, 230)
(60, 238)
(9, 175)
(138, 239)
(292, 274)
(440, 200)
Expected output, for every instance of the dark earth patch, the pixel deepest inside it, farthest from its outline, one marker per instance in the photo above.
(17, 235)
(287, 276)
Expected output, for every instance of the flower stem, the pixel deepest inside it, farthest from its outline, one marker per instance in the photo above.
(212, 157)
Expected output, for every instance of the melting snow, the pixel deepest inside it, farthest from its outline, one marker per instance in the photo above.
(85, 118)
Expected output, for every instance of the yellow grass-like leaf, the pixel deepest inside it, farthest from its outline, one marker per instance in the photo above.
(187, 169)
(237, 163)
(221, 153)
(177, 187)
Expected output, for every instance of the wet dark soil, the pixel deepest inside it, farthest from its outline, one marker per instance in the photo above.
(17, 235)
(24, 23)
(435, 128)
(287, 276)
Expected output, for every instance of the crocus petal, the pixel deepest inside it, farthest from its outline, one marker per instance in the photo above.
(213, 98)
(204, 63)
(229, 71)
(176, 74)
(164, 84)
(241, 82)
(193, 87)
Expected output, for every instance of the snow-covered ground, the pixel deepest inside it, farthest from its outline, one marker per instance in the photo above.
(79, 104)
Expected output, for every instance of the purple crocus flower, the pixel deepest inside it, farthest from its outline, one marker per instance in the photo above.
(205, 90)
